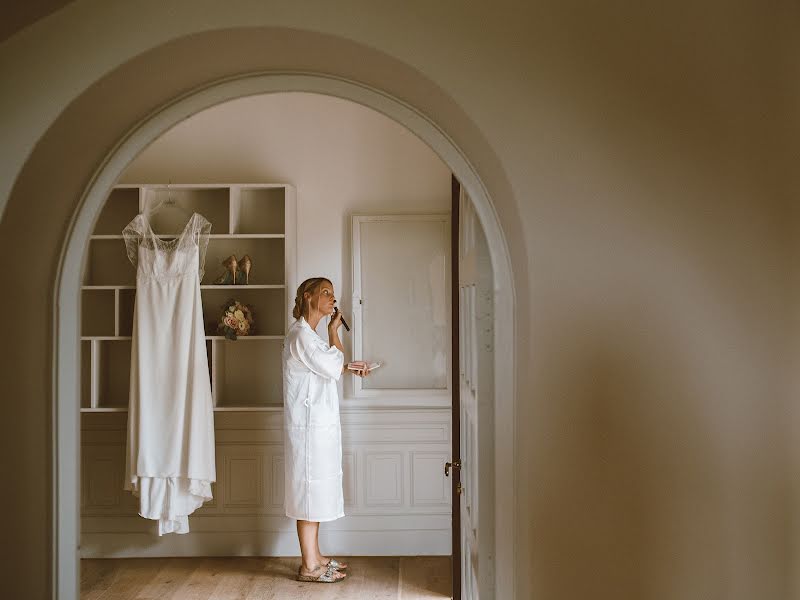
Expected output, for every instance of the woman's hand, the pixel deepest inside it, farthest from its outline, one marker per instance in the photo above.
(335, 322)
(358, 367)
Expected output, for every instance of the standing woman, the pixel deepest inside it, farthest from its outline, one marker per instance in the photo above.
(312, 430)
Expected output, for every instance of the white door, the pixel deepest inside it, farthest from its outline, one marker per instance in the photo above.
(476, 406)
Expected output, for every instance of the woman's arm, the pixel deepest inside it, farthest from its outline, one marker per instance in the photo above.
(333, 335)
(308, 348)
(333, 340)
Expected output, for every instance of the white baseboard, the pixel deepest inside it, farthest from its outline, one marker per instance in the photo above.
(265, 543)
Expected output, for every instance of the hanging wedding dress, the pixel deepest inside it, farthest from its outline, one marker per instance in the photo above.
(170, 454)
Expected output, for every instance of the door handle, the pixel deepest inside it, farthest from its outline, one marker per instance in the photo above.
(456, 464)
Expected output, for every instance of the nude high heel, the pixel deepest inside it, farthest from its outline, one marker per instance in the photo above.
(230, 265)
(245, 264)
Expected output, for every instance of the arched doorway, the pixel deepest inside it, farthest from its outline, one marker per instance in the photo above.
(66, 531)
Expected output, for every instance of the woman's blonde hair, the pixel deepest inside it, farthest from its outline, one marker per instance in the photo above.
(309, 285)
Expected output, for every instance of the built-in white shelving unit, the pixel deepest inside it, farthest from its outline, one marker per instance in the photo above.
(254, 219)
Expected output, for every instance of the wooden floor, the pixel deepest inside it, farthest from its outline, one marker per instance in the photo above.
(247, 578)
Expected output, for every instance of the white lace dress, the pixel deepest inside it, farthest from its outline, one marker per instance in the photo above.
(170, 453)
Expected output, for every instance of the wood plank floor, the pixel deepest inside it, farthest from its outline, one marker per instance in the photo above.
(252, 578)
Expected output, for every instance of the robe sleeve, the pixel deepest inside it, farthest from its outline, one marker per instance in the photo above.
(319, 357)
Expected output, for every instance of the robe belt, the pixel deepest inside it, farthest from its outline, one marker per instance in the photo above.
(312, 396)
(312, 392)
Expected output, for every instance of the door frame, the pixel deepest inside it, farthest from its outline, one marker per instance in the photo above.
(66, 342)
(455, 385)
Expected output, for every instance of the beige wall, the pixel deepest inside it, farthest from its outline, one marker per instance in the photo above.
(638, 159)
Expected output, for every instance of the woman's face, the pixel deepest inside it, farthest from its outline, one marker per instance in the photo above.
(324, 299)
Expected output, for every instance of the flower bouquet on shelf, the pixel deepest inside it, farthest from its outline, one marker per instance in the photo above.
(237, 319)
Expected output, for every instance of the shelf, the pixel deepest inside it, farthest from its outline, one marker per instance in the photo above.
(113, 360)
(258, 210)
(125, 300)
(179, 186)
(108, 287)
(267, 255)
(107, 264)
(98, 313)
(86, 374)
(211, 202)
(254, 219)
(265, 408)
(254, 286)
(263, 286)
(253, 236)
(249, 374)
(121, 206)
(269, 308)
(124, 409)
(213, 236)
(243, 338)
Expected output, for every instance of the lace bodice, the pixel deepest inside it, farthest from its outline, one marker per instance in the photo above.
(153, 256)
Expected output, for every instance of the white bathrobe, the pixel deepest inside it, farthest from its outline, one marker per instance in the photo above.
(312, 430)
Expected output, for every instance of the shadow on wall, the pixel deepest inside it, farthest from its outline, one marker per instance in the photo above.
(626, 469)
(657, 413)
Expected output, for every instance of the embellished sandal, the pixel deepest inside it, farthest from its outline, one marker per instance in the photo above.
(326, 577)
(336, 564)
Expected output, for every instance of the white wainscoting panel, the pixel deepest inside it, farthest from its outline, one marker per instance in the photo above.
(276, 478)
(102, 477)
(243, 481)
(348, 478)
(428, 487)
(397, 500)
(383, 478)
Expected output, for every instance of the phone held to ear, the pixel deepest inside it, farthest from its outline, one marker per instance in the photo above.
(360, 365)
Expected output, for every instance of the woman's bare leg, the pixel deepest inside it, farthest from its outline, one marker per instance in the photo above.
(312, 560)
(307, 532)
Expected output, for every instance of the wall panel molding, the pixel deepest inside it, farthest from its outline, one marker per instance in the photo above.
(396, 497)
(428, 487)
(383, 479)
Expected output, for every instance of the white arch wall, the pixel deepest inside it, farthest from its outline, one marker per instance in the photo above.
(66, 525)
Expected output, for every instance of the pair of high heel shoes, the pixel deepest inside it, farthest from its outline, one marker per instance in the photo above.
(237, 272)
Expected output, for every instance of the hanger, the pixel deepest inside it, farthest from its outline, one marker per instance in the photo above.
(167, 203)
